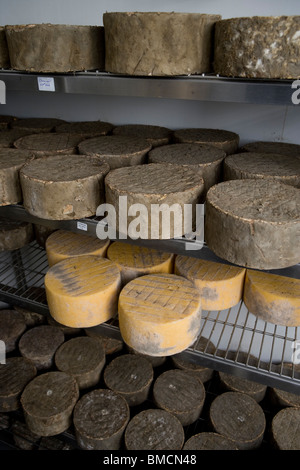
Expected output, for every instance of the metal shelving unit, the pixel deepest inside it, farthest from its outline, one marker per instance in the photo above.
(194, 87)
(234, 340)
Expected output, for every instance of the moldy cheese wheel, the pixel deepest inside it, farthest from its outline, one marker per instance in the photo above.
(63, 244)
(220, 285)
(159, 314)
(220, 138)
(36, 125)
(83, 291)
(11, 161)
(155, 135)
(134, 260)
(273, 298)
(284, 148)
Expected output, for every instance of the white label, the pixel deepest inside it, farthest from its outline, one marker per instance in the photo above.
(46, 84)
(2, 92)
(82, 226)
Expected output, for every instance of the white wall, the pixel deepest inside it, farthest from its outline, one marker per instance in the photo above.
(251, 122)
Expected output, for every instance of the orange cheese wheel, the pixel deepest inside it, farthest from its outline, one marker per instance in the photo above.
(83, 291)
(159, 314)
(273, 298)
(220, 285)
(63, 244)
(134, 260)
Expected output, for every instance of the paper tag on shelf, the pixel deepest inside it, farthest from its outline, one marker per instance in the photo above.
(82, 226)
(46, 84)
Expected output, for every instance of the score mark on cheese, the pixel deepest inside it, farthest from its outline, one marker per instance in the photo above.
(220, 285)
(159, 314)
(83, 291)
(273, 298)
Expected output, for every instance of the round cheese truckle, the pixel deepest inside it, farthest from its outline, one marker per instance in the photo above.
(283, 148)
(258, 47)
(49, 143)
(83, 291)
(254, 223)
(12, 326)
(85, 128)
(14, 234)
(11, 161)
(116, 150)
(284, 429)
(4, 53)
(14, 376)
(159, 314)
(239, 417)
(134, 260)
(206, 158)
(63, 187)
(282, 168)
(273, 298)
(63, 244)
(155, 199)
(55, 48)
(221, 285)
(158, 43)
(100, 419)
(155, 135)
(209, 441)
(36, 125)
(227, 141)
(48, 401)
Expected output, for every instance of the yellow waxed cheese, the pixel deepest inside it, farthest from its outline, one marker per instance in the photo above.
(220, 285)
(83, 291)
(273, 298)
(159, 314)
(134, 260)
(63, 244)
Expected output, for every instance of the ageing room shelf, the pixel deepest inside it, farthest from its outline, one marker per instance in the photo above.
(232, 340)
(194, 247)
(194, 87)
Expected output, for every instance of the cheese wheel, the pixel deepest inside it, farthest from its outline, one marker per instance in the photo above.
(179, 393)
(254, 223)
(239, 417)
(40, 343)
(9, 136)
(220, 285)
(160, 191)
(63, 187)
(49, 143)
(116, 151)
(85, 128)
(206, 158)
(48, 401)
(83, 358)
(159, 314)
(11, 161)
(282, 398)
(36, 125)
(283, 168)
(283, 148)
(83, 291)
(134, 260)
(12, 326)
(154, 429)
(155, 135)
(209, 441)
(15, 374)
(100, 419)
(158, 43)
(273, 298)
(284, 429)
(220, 138)
(14, 234)
(258, 47)
(63, 244)
(55, 48)
(230, 382)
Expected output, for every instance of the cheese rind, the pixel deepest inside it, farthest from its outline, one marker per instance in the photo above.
(63, 244)
(83, 291)
(134, 260)
(273, 298)
(220, 285)
(159, 314)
